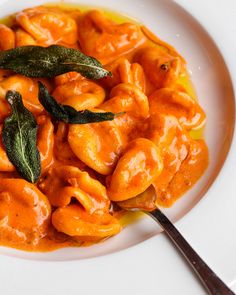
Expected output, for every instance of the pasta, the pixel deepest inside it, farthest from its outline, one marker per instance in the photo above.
(80, 94)
(91, 173)
(44, 26)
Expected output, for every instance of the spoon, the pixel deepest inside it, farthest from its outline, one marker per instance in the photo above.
(213, 284)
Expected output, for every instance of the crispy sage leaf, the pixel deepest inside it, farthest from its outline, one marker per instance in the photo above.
(19, 138)
(48, 62)
(67, 113)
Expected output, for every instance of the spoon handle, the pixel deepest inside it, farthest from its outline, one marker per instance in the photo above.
(209, 279)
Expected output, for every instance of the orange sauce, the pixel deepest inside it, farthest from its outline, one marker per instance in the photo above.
(149, 156)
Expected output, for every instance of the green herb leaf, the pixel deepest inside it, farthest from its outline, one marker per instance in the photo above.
(19, 138)
(67, 113)
(48, 62)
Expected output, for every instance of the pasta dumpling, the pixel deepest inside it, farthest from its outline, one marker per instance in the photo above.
(105, 40)
(139, 166)
(46, 26)
(24, 212)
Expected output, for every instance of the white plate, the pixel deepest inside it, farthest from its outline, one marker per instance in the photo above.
(153, 267)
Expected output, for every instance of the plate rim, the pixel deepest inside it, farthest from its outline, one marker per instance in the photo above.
(184, 223)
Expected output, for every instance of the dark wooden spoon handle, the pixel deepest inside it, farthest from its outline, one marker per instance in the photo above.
(213, 284)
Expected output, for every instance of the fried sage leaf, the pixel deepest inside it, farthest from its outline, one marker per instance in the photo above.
(19, 138)
(67, 113)
(48, 62)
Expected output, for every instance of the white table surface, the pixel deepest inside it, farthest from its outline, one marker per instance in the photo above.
(219, 17)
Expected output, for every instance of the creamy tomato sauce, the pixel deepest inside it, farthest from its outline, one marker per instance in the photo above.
(148, 156)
